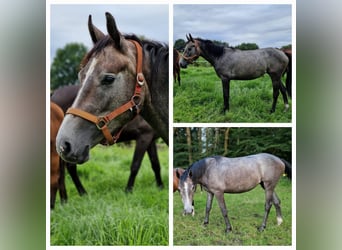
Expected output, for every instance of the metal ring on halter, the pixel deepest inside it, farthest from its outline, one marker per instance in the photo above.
(101, 122)
(140, 79)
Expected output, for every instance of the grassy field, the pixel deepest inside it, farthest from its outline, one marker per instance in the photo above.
(200, 99)
(108, 215)
(245, 212)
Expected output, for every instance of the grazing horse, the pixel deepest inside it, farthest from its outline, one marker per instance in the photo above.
(234, 64)
(138, 130)
(121, 76)
(218, 175)
(176, 67)
(56, 163)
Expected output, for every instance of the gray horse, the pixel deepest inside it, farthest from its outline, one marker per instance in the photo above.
(234, 64)
(218, 175)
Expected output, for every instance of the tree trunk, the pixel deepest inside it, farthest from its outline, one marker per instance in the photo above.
(188, 139)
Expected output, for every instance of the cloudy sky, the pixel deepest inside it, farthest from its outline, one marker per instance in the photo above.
(68, 23)
(265, 25)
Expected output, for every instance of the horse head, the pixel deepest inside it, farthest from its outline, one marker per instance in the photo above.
(191, 52)
(112, 92)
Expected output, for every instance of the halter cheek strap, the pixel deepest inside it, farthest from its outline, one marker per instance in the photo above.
(101, 122)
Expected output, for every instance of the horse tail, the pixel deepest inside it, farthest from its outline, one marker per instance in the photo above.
(289, 75)
(288, 169)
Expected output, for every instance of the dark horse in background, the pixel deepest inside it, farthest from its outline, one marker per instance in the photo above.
(121, 76)
(138, 130)
(234, 64)
(176, 66)
(218, 175)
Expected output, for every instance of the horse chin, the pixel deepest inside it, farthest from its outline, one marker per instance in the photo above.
(183, 65)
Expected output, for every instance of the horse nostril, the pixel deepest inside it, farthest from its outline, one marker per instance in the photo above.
(66, 148)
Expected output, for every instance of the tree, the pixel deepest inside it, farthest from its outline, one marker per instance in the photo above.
(179, 44)
(247, 46)
(65, 65)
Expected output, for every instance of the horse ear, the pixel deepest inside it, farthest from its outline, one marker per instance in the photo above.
(95, 33)
(113, 30)
(191, 39)
(187, 37)
(177, 173)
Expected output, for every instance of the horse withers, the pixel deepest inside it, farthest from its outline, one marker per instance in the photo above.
(234, 64)
(121, 76)
(218, 175)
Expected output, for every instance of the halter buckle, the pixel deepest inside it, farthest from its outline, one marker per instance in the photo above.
(101, 122)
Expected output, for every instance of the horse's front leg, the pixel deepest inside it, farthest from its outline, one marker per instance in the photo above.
(222, 204)
(208, 207)
(225, 88)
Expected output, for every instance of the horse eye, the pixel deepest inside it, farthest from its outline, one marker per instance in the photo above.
(107, 79)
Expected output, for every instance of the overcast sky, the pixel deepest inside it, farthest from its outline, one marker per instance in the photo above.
(69, 23)
(265, 25)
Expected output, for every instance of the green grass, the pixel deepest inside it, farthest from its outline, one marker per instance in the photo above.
(108, 215)
(200, 99)
(245, 212)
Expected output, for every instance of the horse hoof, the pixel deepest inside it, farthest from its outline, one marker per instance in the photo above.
(228, 230)
(261, 229)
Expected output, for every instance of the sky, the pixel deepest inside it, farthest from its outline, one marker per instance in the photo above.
(69, 23)
(263, 24)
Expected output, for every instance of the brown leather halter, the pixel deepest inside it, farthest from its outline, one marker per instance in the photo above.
(101, 122)
(191, 59)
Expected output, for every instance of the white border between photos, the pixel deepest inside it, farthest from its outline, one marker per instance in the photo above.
(171, 125)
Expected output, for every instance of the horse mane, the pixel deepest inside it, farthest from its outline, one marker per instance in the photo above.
(212, 48)
(157, 50)
(197, 169)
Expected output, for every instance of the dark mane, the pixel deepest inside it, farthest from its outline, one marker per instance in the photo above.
(197, 170)
(214, 49)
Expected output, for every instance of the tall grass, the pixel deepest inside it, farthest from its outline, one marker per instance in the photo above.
(200, 99)
(245, 212)
(108, 215)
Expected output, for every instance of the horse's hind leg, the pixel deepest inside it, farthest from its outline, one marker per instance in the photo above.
(268, 205)
(225, 88)
(276, 202)
(278, 86)
(153, 154)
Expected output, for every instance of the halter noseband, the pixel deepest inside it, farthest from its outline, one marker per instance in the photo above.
(191, 59)
(101, 122)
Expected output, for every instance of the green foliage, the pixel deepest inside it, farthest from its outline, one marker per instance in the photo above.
(245, 212)
(200, 99)
(179, 44)
(241, 142)
(247, 46)
(65, 65)
(108, 215)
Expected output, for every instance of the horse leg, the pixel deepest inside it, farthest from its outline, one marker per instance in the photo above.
(268, 204)
(72, 169)
(222, 204)
(61, 182)
(140, 149)
(276, 202)
(153, 155)
(278, 86)
(225, 88)
(208, 207)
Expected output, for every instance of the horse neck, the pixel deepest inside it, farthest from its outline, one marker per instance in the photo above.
(207, 55)
(155, 110)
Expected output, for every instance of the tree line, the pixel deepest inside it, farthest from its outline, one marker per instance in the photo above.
(192, 144)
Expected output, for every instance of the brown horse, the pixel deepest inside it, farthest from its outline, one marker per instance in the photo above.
(176, 66)
(176, 178)
(56, 163)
